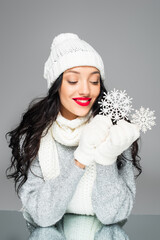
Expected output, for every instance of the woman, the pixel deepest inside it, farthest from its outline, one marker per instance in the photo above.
(66, 157)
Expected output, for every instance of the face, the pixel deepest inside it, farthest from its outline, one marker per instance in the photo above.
(79, 89)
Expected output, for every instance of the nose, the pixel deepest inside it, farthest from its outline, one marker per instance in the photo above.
(84, 88)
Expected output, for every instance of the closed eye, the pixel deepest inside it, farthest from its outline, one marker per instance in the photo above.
(72, 82)
(95, 83)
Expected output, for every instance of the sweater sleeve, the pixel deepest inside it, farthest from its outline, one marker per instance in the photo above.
(114, 191)
(47, 201)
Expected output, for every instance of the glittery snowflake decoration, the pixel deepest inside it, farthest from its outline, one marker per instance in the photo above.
(144, 118)
(116, 104)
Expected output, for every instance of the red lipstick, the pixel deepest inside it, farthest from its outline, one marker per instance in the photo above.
(82, 101)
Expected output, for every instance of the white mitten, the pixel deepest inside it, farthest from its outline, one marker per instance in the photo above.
(92, 135)
(120, 137)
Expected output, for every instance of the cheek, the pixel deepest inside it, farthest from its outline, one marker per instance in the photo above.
(96, 92)
(65, 93)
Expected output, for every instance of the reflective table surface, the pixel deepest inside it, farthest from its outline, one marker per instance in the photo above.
(77, 227)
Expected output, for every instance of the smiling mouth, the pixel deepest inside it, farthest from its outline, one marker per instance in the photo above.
(82, 101)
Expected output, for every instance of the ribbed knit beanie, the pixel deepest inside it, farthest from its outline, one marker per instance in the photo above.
(67, 51)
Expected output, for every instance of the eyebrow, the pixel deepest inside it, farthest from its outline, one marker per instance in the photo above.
(79, 72)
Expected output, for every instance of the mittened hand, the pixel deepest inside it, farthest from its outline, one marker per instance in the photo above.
(97, 130)
(93, 134)
(120, 137)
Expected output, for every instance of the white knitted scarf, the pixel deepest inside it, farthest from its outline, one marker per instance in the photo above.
(64, 131)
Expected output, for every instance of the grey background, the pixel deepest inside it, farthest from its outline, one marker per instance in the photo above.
(127, 36)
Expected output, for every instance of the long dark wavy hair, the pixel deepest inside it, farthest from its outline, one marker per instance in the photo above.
(24, 140)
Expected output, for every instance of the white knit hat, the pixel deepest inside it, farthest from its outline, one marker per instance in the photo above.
(67, 51)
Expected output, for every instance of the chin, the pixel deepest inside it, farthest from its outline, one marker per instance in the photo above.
(82, 114)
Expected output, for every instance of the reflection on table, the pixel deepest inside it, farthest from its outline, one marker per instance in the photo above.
(76, 227)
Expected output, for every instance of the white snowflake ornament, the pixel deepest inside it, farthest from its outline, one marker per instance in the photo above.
(116, 104)
(144, 118)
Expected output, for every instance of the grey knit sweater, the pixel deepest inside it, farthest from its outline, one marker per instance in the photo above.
(45, 202)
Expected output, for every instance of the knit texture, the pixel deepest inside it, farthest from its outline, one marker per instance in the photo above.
(81, 202)
(67, 51)
(111, 199)
(64, 131)
(68, 132)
